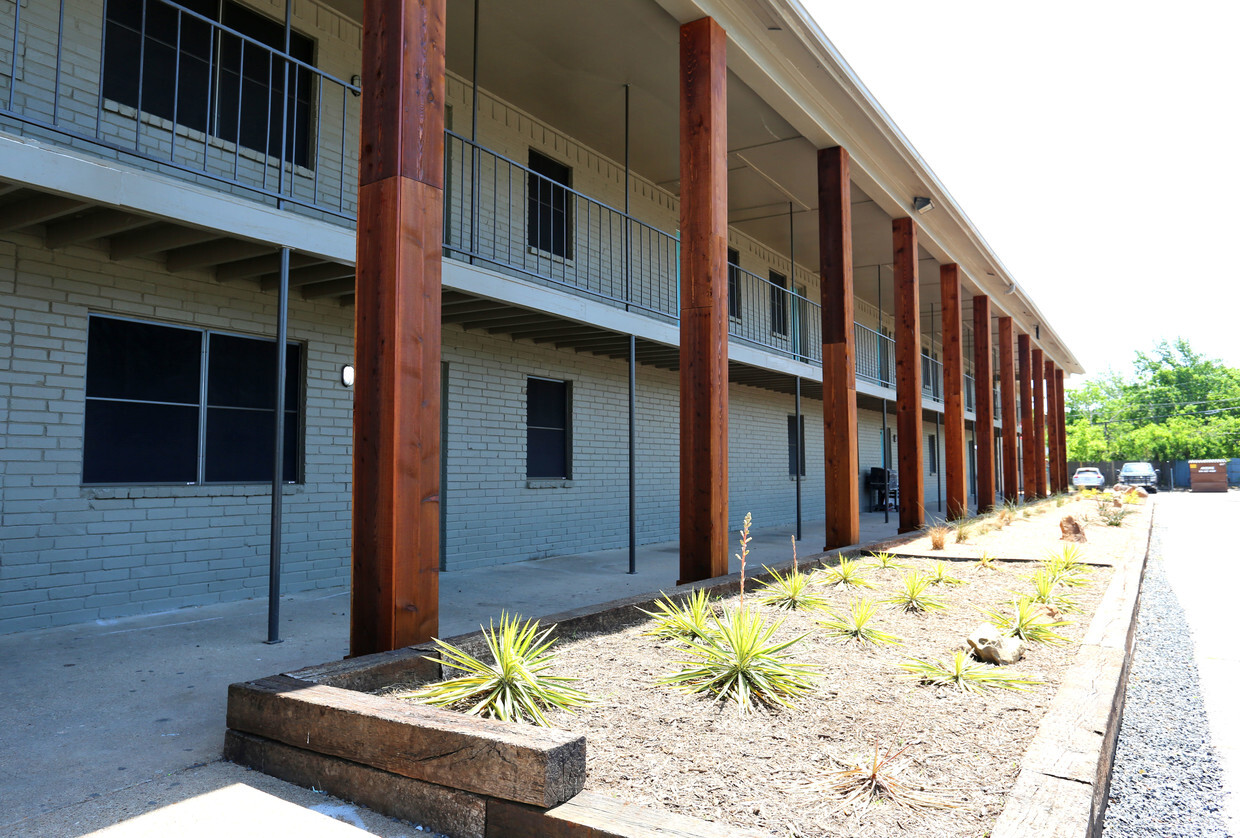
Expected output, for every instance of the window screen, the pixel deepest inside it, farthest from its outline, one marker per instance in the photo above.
(547, 429)
(549, 214)
(146, 418)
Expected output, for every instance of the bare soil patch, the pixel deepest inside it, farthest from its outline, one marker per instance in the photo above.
(655, 746)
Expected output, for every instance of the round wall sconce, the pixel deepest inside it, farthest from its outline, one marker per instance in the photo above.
(347, 375)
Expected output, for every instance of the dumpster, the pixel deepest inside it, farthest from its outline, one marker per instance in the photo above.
(1208, 475)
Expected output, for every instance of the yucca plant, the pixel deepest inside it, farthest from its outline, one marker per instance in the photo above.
(684, 620)
(1046, 592)
(849, 573)
(854, 624)
(878, 778)
(912, 594)
(515, 687)
(792, 591)
(964, 673)
(885, 560)
(740, 662)
(1067, 566)
(1028, 622)
(986, 562)
(938, 575)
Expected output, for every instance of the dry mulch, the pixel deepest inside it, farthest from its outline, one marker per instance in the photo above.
(654, 746)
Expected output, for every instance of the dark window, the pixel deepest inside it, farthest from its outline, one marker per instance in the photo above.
(796, 445)
(734, 284)
(932, 450)
(146, 413)
(547, 435)
(549, 218)
(779, 303)
(172, 64)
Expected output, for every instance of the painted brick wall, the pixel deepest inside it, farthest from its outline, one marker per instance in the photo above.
(71, 553)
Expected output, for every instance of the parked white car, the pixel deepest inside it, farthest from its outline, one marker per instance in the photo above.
(1087, 478)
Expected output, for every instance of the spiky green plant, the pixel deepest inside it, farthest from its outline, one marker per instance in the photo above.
(912, 596)
(1046, 592)
(849, 573)
(1067, 566)
(683, 620)
(964, 673)
(1114, 516)
(854, 624)
(740, 662)
(885, 561)
(792, 591)
(1028, 622)
(515, 687)
(986, 562)
(938, 575)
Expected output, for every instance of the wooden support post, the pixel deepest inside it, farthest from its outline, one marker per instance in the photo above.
(955, 470)
(984, 404)
(704, 303)
(1039, 422)
(908, 374)
(1064, 479)
(1052, 430)
(839, 382)
(1007, 404)
(1029, 457)
(397, 328)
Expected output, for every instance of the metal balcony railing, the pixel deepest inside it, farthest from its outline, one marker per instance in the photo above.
(159, 82)
(970, 394)
(503, 214)
(931, 378)
(875, 356)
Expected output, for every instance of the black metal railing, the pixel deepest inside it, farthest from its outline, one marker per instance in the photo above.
(970, 394)
(875, 356)
(163, 83)
(768, 314)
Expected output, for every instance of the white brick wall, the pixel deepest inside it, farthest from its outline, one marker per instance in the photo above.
(71, 553)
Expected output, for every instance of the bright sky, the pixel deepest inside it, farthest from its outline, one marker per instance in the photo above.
(1095, 144)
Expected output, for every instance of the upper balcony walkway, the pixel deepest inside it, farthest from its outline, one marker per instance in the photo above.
(235, 109)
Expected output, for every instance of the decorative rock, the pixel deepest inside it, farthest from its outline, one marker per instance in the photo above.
(1071, 530)
(993, 646)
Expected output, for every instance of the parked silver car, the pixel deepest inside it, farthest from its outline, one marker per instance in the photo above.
(1087, 477)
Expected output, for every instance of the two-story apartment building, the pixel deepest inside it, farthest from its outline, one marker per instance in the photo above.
(179, 186)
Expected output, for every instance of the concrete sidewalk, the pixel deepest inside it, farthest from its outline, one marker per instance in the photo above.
(117, 725)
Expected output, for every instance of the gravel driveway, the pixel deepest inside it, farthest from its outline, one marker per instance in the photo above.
(1169, 779)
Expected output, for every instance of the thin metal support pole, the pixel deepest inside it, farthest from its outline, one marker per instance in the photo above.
(628, 222)
(796, 447)
(277, 469)
(938, 460)
(632, 453)
(60, 40)
(886, 467)
(474, 170)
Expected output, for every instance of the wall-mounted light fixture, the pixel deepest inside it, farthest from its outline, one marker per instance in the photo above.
(356, 81)
(923, 205)
(347, 375)
(1011, 289)
(1037, 332)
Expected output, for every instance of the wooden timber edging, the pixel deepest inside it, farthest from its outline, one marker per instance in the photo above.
(477, 778)
(1065, 776)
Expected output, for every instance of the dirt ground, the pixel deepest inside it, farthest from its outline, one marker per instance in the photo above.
(658, 747)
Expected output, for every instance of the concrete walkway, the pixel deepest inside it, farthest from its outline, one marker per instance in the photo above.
(116, 726)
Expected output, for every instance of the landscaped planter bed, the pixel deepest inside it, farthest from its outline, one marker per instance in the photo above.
(697, 761)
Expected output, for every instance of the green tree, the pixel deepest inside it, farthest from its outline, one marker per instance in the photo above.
(1178, 404)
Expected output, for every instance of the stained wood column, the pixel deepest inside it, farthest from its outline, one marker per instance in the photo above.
(1039, 422)
(839, 380)
(395, 591)
(908, 374)
(955, 471)
(703, 302)
(1063, 429)
(1007, 405)
(1029, 465)
(984, 403)
(1052, 430)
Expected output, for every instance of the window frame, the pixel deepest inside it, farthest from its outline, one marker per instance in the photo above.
(557, 190)
(567, 430)
(296, 412)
